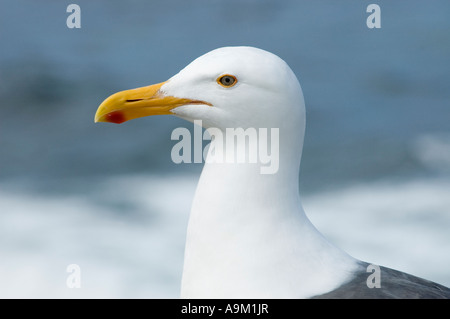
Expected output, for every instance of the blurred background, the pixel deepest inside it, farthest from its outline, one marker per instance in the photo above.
(375, 174)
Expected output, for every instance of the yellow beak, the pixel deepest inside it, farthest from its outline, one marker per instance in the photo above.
(145, 101)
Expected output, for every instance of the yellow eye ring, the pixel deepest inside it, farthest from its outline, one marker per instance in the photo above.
(227, 80)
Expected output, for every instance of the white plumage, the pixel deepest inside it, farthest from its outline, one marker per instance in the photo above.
(248, 236)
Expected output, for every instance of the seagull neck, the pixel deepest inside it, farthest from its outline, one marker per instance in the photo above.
(251, 167)
(228, 191)
(248, 230)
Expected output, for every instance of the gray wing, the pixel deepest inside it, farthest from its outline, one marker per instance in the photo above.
(393, 284)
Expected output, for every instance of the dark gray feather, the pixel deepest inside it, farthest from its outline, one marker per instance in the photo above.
(393, 284)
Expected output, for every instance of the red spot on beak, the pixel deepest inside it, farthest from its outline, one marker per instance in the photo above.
(115, 117)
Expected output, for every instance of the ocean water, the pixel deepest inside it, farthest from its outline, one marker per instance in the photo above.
(127, 234)
(375, 174)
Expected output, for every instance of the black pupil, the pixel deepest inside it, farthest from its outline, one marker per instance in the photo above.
(227, 80)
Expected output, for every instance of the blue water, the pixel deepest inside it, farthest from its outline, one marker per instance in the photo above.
(378, 131)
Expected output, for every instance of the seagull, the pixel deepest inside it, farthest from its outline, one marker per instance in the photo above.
(248, 235)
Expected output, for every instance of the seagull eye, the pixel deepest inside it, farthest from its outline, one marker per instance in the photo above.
(227, 80)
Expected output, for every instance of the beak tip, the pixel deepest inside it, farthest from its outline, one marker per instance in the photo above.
(97, 118)
(116, 117)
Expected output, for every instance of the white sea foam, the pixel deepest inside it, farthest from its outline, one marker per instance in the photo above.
(130, 252)
(128, 236)
(404, 226)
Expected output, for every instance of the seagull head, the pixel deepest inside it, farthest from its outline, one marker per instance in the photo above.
(227, 87)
